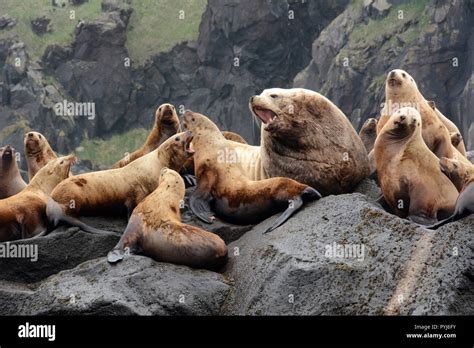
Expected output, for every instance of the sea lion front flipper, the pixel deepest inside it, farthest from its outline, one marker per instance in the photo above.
(200, 203)
(190, 180)
(128, 243)
(293, 206)
(422, 220)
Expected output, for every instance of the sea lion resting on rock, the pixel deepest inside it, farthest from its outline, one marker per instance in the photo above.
(111, 191)
(11, 181)
(38, 152)
(408, 172)
(166, 125)
(22, 215)
(307, 138)
(462, 176)
(231, 180)
(401, 91)
(155, 229)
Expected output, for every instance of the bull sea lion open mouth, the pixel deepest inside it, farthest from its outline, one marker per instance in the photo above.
(188, 146)
(267, 116)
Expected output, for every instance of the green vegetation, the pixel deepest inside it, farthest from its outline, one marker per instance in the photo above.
(155, 26)
(107, 152)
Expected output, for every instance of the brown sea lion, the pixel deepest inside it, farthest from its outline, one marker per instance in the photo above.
(155, 229)
(401, 90)
(11, 181)
(307, 138)
(23, 215)
(462, 176)
(408, 172)
(166, 125)
(38, 152)
(112, 191)
(368, 133)
(231, 180)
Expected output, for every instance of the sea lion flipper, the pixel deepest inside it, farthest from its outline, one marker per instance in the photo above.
(200, 203)
(293, 206)
(422, 220)
(190, 180)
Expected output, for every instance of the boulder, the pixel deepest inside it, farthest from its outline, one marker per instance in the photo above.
(344, 255)
(7, 22)
(41, 25)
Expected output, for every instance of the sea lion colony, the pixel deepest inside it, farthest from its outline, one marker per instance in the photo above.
(308, 150)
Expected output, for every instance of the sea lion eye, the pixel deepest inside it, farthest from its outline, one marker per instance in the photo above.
(404, 75)
(62, 162)
(177, 139)
(40, 136)
(274, 96)
(194, 120)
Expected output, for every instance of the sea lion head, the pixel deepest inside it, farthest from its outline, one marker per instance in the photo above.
(403, 123)
(400, 85)
(455, 170)
(291, 116)
(369, 126)
(178, 148)
(34, 142)
(60, 167)
(166, 115)
(172, 179)
(199, 124)
(7, 156)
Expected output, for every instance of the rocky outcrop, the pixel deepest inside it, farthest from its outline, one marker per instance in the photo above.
(431, 40)
(7, 22)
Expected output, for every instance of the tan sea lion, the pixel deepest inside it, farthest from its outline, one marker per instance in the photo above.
(230, 180)
(11, 181)
(462, 176)
(368, 133)
(456, 138)
(23, 215)
(307, 138)
(155, 229)
(166, 125)
(38, 152)
(112, 191)
(401, 90)
(408, 171)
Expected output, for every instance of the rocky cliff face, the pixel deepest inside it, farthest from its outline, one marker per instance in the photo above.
(340, 49)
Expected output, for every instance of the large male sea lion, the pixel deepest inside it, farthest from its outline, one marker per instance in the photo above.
(462, 176)
(307, 138)
(166, 125)
(23, 215)
(155, 229)
(112, 191)
(11, 181)
(408, 172)
(232, 182)
(401, 90)
(38, 152)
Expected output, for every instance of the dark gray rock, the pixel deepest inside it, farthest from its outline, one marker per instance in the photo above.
(41, 25)
(288, 271)
(7, 22)
(136, 286)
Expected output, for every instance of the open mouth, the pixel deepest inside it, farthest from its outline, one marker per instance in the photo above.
(266, 115)
(188, 146)
(392, 82)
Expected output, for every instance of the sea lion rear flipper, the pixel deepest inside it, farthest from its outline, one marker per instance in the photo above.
(293, 207)
(200, 203)
(422, 220)
(440, 223)
(190, 180)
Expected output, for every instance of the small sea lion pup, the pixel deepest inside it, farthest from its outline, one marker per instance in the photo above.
(110, 192)
(462, 176)
(408, 172)
(368, 133)
(166, 125)
(22, 215)
(230, 180)
(401, 90)
(11, 181)
(38, 152)
(307, 138)
(155, 229)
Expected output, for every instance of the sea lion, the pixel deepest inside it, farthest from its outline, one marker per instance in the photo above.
(231, 181)
(408, 172)
(452, 128)
(307, 138)
(456, 138)
(368, 133)
(234, 137)
(11, 181)
(166, 125)
(38, 152)
(23, 215)
(401, 90)
(462, 176)
(114, 190)
(155, 229)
